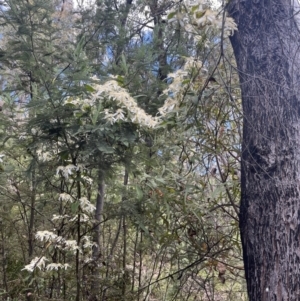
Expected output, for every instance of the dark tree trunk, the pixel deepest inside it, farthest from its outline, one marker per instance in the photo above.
(267, 46)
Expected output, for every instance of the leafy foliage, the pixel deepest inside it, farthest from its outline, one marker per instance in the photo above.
(120, 145)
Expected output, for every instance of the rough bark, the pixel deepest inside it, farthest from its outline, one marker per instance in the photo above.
(266, 47)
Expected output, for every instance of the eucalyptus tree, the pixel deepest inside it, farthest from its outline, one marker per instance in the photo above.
(266, 46)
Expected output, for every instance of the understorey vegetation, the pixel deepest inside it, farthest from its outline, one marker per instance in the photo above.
(120, 145)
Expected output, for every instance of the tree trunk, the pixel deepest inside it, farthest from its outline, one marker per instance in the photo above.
(95, 285)
(266, 48)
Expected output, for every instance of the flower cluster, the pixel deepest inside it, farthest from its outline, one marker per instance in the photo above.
(198, 15)
(40, 263)
(59, 242)
(127, 103)
(68, 170)
(179, 79)
(128, 108)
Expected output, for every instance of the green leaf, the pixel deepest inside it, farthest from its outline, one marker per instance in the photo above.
(171, 15)
(139, 193)
(64, 155)
(79, 46)
(120, 80)
(200, 14)
(89, 88)
(74, 207)
(194, 8)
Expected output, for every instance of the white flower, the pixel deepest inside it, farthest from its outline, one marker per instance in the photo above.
(121, 96)
(59, 240)
(169, 105)
(56, 266)
(65, 197)
(43, 155)
(58, 217)
(46, 235)
(192, 63)
(87, 179)
(37, 262)
(66, 171)
(88, 243)
(70, 245)
(86, 205)
(113, 118)
(33, 131)
(128, 108)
